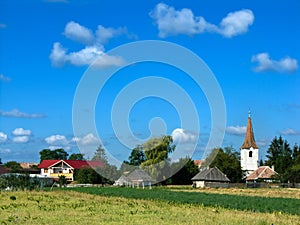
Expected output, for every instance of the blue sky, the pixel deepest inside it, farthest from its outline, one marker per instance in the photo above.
(252, 48)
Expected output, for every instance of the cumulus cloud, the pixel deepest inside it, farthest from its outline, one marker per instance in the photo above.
(236, 130)
(105, 34)
(92, 52)
(76, 32)
(3, 137)
(18, 114)
(172, 22)
(58, 140)
(88, 139)
(21, 139)
(4, 78)
(265, 64)
(86, 56)
(180, 135)
(21, 132)
(289, 131)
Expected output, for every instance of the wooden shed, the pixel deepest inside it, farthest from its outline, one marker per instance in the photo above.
(210, 177)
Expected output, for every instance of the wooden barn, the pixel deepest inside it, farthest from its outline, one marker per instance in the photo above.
(210, 177)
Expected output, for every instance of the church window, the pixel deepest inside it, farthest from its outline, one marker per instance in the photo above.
(250, 154)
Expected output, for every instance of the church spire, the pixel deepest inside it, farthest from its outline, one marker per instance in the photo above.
(249, 138)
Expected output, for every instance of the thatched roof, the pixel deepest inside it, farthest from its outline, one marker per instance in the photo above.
(211, 174)
(263, 172)
(140, 176)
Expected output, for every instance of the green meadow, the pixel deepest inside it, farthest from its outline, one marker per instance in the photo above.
(112, 205)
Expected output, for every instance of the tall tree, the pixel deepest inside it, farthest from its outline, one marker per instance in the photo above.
(137, 156)
(157, 163)
(227, 161)
(279, 155)
(76, 156)
(100, 155)
(53, 154)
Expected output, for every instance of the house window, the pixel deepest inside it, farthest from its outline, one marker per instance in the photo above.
(45, 170)
(250, 154)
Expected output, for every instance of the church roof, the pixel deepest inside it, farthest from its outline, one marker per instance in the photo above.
(249, 138)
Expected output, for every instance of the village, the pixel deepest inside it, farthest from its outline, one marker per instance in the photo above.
(76, 171)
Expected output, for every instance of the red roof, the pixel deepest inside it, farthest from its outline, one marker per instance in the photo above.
(4, 170)
(76, 164)
(263, 172)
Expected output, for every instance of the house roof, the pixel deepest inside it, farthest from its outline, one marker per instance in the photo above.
(140, 175)
(249, 137)
(199, 162)
(263, 172)
(75, 164)
(4, 170)
(211, 174)
(123, 179)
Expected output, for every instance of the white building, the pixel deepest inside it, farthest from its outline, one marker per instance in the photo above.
(249, 150)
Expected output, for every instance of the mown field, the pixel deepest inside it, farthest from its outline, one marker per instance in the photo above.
(138, 206)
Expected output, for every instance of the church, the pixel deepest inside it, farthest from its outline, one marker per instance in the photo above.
(249, 150)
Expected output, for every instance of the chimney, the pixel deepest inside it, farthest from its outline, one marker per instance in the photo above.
(273, 168)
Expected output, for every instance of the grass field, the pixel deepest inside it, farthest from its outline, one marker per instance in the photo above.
(137, 206)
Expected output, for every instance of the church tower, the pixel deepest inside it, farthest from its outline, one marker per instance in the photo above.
(249, 150)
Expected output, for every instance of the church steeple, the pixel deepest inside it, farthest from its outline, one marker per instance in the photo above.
(249, 138)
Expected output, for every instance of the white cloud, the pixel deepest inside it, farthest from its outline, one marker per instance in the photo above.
(93, 49)
(18, 114)
(236, 23)
(5, 150)
(236, 130)
(21, 132)
(172, 22)
(3, 137)
(4, 78)
(86, 56)
(104, 34)
(76, 32)
(289, 131)
(88, 139)
(21, 139)
(57, 139)
(265, 64)
(2, 25)
(180, 135)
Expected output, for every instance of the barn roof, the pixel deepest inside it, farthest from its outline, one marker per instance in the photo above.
(211, 174)
(263, 172)
(140, 175)
(75, 164)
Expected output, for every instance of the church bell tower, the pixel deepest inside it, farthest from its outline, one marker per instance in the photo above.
(249, 150)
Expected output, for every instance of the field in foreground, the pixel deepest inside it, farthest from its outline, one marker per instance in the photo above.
(70, 207)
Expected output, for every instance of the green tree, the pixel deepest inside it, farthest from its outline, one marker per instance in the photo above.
(100, 155)
(227, 161)
(108, 172)
(53, 154)
(14, 166)
(62, 181)
(157, 163)
(184, 171)
(279, 155)
(88, 175)
(76, 156)
(292, 173)
(137, 156)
